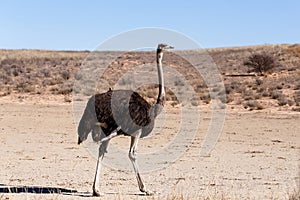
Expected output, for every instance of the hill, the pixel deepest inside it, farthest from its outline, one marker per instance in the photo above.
(41, 72)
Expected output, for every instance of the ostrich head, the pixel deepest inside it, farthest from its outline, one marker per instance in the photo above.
(162, 47)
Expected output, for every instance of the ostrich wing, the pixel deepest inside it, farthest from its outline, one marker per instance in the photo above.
(123, 108)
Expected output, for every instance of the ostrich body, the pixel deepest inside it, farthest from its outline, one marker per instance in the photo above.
(121, 112)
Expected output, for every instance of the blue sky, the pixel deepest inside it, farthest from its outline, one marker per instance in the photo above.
(82, 25)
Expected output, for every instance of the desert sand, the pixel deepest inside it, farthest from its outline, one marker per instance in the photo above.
(257, 156)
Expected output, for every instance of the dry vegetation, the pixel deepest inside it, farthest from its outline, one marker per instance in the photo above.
(276, 84)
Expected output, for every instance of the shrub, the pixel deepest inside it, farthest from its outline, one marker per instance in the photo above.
(54, 89)
(229, 99)
(46, 82)
(282, 101)
(259, 81)
(248, 95)
(297, 98)
(65, 74)
(179, 82)
(46, 72)
(228, 88)
(275, 94)
(260, 90)
(205, 97)
(259, 107)
(253, 104)
(265, 94)
(260, 62)
(23, 85)
(194, 103)
(290, 102)
(66, 88)
(5, 79)
(234, 86)
(297, 86)
(279, 86)
(297, 109)
(78, 76)
(257, 96)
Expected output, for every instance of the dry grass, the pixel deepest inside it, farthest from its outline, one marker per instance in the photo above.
(54, 72)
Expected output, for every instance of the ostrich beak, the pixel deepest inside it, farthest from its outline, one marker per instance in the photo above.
(169, 47)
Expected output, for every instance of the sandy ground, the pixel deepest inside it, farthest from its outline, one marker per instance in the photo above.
(257, 157)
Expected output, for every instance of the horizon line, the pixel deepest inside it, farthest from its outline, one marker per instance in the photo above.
(86, 50)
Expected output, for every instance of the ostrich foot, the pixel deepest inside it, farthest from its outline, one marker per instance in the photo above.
(97, 193)
(148, 192)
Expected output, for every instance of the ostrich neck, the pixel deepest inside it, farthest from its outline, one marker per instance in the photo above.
(161, 93)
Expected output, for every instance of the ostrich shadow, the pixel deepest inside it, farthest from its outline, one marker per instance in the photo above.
(41, 190)
(8, 189)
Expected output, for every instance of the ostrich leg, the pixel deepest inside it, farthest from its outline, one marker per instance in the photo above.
(112, 135)
(132, 157)
(96, 185)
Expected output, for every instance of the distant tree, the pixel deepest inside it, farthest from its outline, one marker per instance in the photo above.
(260, 62)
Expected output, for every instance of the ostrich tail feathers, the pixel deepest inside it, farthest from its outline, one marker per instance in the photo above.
(87, 121)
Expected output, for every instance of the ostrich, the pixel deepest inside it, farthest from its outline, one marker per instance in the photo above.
(122, 112)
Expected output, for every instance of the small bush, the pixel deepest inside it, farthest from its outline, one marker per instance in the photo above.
(275, 94)
(67, 99)
(297, 86)
(297, 98)
(290, 102)
(282, 101)
(279, 86)
(205, 97)
(46, 72)
(259, 81)
(5, 79)
(265, 94)
(297, 109)
(194, 103)
(253, 104)
(54, 90)
(78, 76)
(179, 82)
(234, 86)
(248, 95)
(46, 82)
(257, 96)
(65, 74)
(66, 88)
(259, 106)
(24, 86)
(229, 99)
(228, 88)
(260, 90)
(260, 63)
